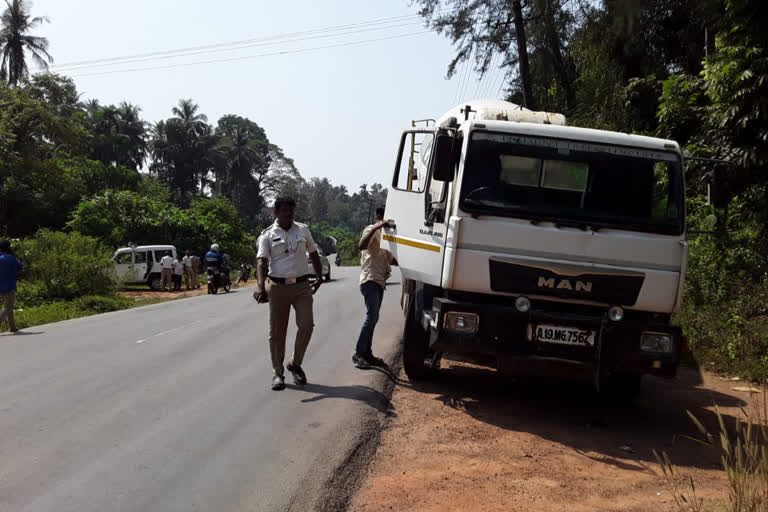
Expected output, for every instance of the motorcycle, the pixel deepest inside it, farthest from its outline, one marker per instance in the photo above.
(245, 273)
(218, 278)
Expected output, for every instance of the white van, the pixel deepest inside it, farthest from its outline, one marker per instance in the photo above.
(141, 264)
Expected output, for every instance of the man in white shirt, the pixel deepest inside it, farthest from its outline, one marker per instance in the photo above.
(190, 274)
(178, 272)
(282, 281)
(166, 272)
(375, 268)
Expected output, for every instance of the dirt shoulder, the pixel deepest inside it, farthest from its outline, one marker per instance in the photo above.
(181, 294)
(473, 441)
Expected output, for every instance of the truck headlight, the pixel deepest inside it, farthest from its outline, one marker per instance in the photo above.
(461, 322)
(523, 304)
(656, 342)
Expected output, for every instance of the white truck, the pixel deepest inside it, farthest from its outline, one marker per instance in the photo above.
(559, 251)
(141, 264)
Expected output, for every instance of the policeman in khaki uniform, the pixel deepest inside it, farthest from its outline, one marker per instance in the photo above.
(282, 281)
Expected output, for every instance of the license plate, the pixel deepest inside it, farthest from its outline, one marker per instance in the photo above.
(564, 335)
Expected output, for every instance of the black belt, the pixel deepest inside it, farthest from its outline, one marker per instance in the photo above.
(282, 280)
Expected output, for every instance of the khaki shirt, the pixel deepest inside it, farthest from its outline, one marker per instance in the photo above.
(287, 251)
(375, 262)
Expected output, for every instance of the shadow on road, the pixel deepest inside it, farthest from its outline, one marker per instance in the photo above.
(365, 394)
(573, 415)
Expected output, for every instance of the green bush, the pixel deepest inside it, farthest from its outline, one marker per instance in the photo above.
(103, 304)
(67, 310)
(730, 335)
(350, 254)
(64, 266)
(30, 294)
(119, 217)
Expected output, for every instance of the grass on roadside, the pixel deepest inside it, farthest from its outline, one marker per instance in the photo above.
(744, 457)
(67, 310)
(47, 313)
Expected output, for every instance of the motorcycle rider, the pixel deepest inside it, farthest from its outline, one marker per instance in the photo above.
(214, 259)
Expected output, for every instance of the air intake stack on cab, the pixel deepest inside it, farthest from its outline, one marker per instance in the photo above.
(558, 250)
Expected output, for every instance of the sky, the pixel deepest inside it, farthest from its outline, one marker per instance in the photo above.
(338, 112)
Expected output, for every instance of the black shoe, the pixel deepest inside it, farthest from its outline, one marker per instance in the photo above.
(360, 362)
(299, 378)
(377, 361)
(278, 382)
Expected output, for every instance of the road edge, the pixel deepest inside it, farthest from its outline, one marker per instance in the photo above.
(335, 493)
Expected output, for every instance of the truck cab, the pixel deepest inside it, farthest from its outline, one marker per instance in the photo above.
(560, 251)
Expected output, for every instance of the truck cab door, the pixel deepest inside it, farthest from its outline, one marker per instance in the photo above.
(123, 264)
(140, 264)
(417, 238)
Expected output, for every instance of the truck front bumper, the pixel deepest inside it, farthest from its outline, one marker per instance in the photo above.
(506, 333)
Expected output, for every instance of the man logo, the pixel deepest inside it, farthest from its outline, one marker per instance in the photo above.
(565, 284)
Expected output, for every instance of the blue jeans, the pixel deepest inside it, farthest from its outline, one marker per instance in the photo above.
(373, 295)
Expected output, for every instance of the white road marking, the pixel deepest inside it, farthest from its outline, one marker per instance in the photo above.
(163, 333)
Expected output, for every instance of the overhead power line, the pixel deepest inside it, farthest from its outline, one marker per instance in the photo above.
(247, 57)
(232, 48)
(468, 75)
(498, 71)
(501, 84)
(233, 45)
(460, 75)
(488, 78)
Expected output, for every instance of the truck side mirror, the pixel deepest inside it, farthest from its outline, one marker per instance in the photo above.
(443, 161)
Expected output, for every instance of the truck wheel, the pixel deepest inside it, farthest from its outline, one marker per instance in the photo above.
(415, 345)
(154, 282)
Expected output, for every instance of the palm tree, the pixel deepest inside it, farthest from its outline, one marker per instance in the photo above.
(119, 135)
(187, 112)
(183, 151)
(16, 23)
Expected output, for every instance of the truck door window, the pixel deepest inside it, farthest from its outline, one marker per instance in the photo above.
(141, 257)
(413, 165)
(123, 258)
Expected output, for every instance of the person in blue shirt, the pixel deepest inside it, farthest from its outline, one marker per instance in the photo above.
(10, 266)
(214, 257)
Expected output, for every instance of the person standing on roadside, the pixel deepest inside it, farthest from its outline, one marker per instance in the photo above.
(281, 280)
(10, 266)
(375, 268)
(166, 272)
(178, 272)
(189, 272)
(197, 267)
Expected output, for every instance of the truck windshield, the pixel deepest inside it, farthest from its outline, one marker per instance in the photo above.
(577, 183)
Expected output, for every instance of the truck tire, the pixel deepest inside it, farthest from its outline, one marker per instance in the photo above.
(155, 282)
(415, 345)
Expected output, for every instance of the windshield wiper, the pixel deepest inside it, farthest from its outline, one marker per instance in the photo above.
(584, 226)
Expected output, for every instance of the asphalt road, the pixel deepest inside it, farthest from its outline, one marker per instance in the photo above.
(168, 407)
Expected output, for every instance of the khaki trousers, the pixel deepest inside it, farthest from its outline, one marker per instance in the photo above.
(191, 278)
(166, 277)
(281, 298)
(7, 300)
